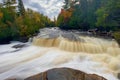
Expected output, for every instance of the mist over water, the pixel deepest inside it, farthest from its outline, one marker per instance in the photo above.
(89, 54)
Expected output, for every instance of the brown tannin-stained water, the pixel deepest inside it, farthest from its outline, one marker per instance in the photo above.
(89, 44)
(57, 49)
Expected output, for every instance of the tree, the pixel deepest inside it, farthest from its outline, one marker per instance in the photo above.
(21, 8)
(23, 24)
(88, 14)
(64, 17)
(108, 16)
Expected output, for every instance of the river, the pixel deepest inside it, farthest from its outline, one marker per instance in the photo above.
(53, 49)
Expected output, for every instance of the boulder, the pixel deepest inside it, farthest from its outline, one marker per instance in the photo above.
(65, 74)
(19, 46)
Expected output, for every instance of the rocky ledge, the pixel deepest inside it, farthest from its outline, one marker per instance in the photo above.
(52, 33)
(64, 74)
(72, 35)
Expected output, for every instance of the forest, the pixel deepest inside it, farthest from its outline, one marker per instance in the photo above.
(17, 22)
(87, 14)
(100, 15)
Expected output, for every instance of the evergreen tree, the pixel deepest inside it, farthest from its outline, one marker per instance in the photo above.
(24, 25)
(21, 8)
(87, 14)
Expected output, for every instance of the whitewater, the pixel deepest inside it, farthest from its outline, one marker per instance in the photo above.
(92, 56)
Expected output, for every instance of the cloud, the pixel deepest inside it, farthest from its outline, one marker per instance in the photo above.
(0, 0)
(51, 8)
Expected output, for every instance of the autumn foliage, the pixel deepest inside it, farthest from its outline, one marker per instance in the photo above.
(22, 23)
(89, 14)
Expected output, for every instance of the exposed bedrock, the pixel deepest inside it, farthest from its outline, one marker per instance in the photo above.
(65, 74)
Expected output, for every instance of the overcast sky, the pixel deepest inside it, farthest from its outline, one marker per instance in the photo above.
(50, 8)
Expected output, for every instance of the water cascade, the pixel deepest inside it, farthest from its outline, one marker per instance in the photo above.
(54, 48)
(72, 42)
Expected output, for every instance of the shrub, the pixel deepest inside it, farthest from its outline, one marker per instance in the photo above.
(117, 36)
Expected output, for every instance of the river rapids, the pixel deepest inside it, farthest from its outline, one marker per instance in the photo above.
(53, 48)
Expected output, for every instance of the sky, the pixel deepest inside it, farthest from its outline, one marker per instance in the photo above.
(50, 8)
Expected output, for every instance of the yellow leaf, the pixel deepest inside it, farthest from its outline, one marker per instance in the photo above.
(1, 14)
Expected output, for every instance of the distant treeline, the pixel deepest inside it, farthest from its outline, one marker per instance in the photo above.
(100, 15)
(16, 22)
(89, 14)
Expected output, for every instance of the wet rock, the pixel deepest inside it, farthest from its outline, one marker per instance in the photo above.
(19, 46)
(65, 74)
(71, 36)
(52, 33)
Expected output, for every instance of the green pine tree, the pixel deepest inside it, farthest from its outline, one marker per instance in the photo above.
(21, 8)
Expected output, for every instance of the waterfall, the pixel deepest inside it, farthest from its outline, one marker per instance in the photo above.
(56, 49)
(84, 44)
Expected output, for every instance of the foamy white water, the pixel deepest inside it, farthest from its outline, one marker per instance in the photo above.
(8, 47)
(34, 59)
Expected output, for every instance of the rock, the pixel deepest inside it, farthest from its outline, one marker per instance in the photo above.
(71, 35)
(65, 74)
(51, 33)
(19, 46)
